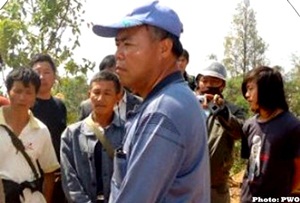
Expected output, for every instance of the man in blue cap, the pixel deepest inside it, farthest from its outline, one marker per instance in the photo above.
(165, 156)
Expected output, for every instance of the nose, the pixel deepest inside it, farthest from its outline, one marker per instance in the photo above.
(99, 97)
(41, 75)
(247, 94)
(22, 96)
(119, 53)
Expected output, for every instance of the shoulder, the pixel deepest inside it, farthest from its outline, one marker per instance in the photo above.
(77, 126)
(233, 107)
(178, 104)
(58, 101)
(250, 122)
(290, 119)
(177, 96)
(86, 102)
(37, 124)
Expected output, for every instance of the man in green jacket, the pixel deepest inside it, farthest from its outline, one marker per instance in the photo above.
(224, 126)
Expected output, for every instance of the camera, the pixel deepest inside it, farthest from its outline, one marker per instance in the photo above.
(201, 98)
(212, 107)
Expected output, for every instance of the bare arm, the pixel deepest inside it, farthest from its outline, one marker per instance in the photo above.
(296, 178)
(2, 196)
(48, 186)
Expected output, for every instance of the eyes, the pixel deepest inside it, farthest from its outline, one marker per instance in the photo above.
(23, 91)
(214, 82)
(99, 92)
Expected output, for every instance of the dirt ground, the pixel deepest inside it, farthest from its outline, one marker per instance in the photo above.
(235, 183)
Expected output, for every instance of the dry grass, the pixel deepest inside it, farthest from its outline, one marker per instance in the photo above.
(234, 183)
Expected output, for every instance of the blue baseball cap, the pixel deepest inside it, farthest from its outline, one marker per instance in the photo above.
(153, 13)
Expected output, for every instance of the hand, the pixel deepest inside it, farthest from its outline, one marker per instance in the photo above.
(218, 100)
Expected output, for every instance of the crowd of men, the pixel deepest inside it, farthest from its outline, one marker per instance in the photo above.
(148, 131)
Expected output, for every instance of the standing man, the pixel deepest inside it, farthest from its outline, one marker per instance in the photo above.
(182, 62)
(50, 110)
(272, 139)
(126, 104)
(86, 158)
(224, 125)
(165, 156)
(20, 175)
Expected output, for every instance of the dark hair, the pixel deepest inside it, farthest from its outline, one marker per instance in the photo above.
(185, 54)
(43, 58)
(270, 88)
(108, 61)
(161, 34)
(24, 75)
(107, 76)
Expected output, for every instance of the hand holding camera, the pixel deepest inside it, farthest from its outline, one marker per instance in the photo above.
(214, 103)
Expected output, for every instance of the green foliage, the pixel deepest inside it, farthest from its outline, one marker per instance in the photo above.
(244, 49)
(39, 26)
(28, 27)
(292, 86)
(239, 163)
(233, 93)
(74, 90)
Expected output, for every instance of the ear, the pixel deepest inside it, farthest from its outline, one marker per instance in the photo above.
(223, 86)
(119, 96)
(166, 46)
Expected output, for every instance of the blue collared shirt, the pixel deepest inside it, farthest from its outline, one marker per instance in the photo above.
(165, 155)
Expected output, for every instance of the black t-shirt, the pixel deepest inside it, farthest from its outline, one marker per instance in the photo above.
(53, 113)
(271, 149)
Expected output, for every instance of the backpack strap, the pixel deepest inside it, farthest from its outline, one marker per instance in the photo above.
(20, 147)
(101, 137)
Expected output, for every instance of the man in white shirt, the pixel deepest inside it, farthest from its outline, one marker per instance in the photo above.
(15, 171)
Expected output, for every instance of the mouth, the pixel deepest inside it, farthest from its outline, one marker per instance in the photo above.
(100, 106)
(119, 69)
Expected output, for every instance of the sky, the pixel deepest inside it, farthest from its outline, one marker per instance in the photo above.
(205, 23)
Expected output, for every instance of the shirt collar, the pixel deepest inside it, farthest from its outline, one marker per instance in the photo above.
(32, 120)
(172, 78)
(117, 121)
(124, 99)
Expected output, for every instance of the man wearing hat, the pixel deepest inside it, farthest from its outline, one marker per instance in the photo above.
(165, 156)
(224, 126)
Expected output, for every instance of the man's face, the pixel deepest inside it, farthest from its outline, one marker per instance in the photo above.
(252, 96)
(22, 97)
(182, 63)
(103, 97)
(47, 76)
(137, 57)
(211, 85)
